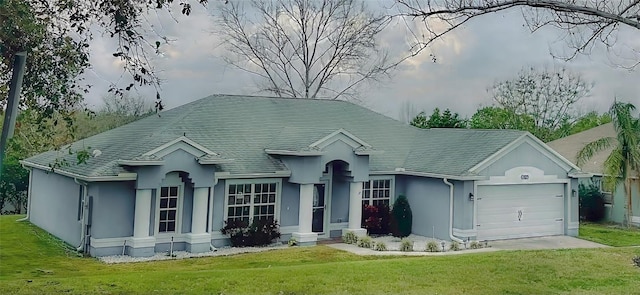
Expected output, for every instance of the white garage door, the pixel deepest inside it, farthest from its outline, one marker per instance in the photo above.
(518, 211)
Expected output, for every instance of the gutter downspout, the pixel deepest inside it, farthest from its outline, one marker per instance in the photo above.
(451, 236)
(28, 195)
(82, 214)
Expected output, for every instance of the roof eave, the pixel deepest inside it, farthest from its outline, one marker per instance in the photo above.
(120, 177)
(401, 171)
(215, 162)
(141, 162)
(293, 153)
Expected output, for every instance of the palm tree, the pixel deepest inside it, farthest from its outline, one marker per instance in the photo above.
(625, 157)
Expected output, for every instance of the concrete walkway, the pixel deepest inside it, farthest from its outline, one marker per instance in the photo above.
(541, 243)
(552, 242)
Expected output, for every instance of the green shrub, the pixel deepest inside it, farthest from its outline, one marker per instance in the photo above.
(350, 238)
(432, 246)
(454, 246)
(292, 242)
(261, 232)
(406, 245)
(475, 245)
(401, 218)
(381, 246)
(591, 202)
(365, 242)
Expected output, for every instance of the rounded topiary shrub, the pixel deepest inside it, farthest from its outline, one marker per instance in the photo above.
(365, 242)
(401, 218)
(432, 246)
(350, 238)
(381, 246)
(591, 202)
(406, 245)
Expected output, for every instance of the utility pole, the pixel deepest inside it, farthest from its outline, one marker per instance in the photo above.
(12, 103)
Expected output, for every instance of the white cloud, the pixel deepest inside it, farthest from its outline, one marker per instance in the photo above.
(469, 60)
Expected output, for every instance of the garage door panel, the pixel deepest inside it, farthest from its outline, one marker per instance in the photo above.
(526, 210)
(515, 211)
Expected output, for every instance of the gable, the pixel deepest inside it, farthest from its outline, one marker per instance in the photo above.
(340, 135)
(180, 143)
(526, 151)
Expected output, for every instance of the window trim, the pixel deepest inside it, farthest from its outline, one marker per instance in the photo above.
(392, 187)
(169, 181)
(252, 182)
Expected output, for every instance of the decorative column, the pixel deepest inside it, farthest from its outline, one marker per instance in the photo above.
(198, 240)
(142, 214)
(355, 210)
(305, 236)
(142, 244)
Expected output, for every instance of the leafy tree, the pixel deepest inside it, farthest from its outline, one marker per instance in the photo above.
(446, 119)
(28, 141)
(584, 22)
(401, 218)
(306, 48)
(494, 117)
(624, 160)
(57, 36)
(584, 122)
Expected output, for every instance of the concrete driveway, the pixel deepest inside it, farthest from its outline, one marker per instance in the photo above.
(551, 242)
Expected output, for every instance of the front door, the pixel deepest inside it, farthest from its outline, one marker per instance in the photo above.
(319, 208)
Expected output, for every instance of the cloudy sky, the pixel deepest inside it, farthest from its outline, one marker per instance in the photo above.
(469, 60)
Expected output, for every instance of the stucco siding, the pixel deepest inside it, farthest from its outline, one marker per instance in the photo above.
(218, 206)
(339, 200)
(524, 155)
(462, 206)
(150, 177)
(113, 209)
(304, 170)
(187, 208)
(290, 203)
(400, 186)
(429, 201)
(339, 150)
(54, 205)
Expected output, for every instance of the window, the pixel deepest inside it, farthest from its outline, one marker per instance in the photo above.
(247, 201)
(376, 192)
(168, 209)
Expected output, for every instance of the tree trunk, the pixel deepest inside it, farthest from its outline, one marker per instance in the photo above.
(627, 192)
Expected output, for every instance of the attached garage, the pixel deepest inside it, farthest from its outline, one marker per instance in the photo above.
(520, 210)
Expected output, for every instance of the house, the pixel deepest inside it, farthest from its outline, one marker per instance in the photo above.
(615, 203)
(173, 179)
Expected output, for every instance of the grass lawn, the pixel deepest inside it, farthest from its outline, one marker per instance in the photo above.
(31, 262)
(611, 235)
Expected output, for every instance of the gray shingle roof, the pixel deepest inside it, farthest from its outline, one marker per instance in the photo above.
(242, 127)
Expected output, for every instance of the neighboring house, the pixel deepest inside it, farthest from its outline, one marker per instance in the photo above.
(309, 164)
(615, 203)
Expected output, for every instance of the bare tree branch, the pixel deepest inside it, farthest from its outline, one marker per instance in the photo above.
(307, 48)
(585, 22)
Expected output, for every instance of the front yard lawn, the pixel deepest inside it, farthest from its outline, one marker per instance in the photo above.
(612, 235)
(31, 262)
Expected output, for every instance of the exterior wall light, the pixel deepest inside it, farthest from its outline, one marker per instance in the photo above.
(574, 193)
(471, 197)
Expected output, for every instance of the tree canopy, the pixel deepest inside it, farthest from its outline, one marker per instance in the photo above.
(446, 119)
